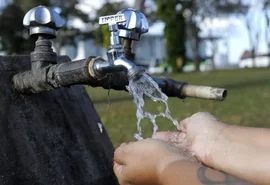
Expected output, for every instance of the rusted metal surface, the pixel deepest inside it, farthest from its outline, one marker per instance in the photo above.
(82, 72)
(50, 137)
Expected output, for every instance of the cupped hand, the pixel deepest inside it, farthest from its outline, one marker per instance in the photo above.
(142, 162)
(198, 135)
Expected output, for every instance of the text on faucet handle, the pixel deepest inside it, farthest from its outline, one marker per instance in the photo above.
(112, 19)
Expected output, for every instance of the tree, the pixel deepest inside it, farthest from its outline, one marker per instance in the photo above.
(174, 32)
(253, 31)
(248, 11)
(26, 5)
(199, 12)
(139, 5)
(12, 31)
(69, 12)
(190, 12)
(266, 10)
(225, 8)
(253, 39)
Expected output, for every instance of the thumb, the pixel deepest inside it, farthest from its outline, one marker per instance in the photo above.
(117, 168)
(184, 124)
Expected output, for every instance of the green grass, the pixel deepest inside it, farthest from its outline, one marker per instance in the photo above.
(247, 103)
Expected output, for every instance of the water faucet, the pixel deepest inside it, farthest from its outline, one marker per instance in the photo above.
(128, 24)
(131, 30)
(48, 71)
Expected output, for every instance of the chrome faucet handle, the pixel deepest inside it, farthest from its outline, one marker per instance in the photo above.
(42, 20)
(135, 25)
(112, 21)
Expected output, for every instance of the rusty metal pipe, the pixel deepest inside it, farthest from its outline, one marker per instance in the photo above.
(82, 72)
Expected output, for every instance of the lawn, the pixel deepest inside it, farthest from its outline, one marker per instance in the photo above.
(247, 103)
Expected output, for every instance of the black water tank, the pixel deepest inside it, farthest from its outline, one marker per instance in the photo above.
(51, 137)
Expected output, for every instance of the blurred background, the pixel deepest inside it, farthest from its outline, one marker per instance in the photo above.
(223, 43)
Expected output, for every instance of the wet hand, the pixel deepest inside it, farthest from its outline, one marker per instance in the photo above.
(199, 135)
(142, 162)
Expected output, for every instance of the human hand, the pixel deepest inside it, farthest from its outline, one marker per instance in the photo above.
(142, 162)
(199, 134)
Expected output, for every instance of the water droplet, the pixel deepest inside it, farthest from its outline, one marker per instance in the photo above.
(138, 137)
(109, 101)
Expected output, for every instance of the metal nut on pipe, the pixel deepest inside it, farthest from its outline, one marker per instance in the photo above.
(94, 65)
(204, 92)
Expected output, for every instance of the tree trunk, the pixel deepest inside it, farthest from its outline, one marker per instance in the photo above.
(267, 28)
(194, 38)
(214, 52)
(213, 47)
(251, 41)
(139, 5)
(195, 54)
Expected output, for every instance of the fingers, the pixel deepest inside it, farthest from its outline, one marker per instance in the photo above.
(166, 136)
(199, 118)
(184, 124)
(204, 116)
(121, 153)
(118, 171)
(170, 136)
(177, 139)
(117, 168)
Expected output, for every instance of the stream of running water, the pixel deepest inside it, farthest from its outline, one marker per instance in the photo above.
(146, 86)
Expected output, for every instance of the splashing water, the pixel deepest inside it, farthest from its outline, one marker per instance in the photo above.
(145, 85)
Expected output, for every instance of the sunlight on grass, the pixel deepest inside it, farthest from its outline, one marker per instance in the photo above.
(246, 104)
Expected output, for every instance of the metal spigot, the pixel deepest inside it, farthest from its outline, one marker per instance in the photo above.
(43, 20)
(43, 23)
(135, 25)
(46, 76)
(131, 30)
(116, 56)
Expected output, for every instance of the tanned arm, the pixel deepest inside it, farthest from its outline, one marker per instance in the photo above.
(190, 173)
(243, 152)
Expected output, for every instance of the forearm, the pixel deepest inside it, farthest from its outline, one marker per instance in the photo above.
(257, 136)
(185, 172)
(242, 154)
